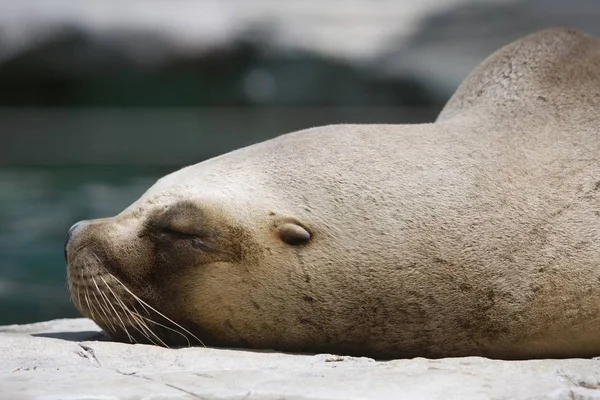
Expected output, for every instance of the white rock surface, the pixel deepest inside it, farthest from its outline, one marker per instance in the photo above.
(70, 359)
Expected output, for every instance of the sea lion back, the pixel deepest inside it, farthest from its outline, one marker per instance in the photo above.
(551, 74)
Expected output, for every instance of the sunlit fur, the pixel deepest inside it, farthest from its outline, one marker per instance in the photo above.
(102, 297)
(478, 234)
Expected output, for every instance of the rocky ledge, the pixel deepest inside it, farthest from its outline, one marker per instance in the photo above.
(72, 359)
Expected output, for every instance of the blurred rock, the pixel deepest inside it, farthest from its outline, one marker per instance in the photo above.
(451, 42)
(355, 31)
(70, 359)
(261, 52)
(75, 68)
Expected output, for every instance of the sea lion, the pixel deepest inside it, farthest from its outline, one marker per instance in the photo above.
(478, 234)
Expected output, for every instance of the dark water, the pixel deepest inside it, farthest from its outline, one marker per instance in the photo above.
(37, 207)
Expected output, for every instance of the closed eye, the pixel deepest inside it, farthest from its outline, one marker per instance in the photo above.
(176, 233)
(194, 240)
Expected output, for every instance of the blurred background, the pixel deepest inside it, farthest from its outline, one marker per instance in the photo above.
(99, 98)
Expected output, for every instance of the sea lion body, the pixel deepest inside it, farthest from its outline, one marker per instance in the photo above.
(478, 234)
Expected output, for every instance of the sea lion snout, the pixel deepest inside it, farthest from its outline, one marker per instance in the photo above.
(73, 231)
(116, 280)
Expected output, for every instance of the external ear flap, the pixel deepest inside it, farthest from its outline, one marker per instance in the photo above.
(293, 234)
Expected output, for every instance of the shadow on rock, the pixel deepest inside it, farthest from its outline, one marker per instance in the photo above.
(76, 336)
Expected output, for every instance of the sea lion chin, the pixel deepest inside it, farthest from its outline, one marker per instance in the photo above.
(476, 235)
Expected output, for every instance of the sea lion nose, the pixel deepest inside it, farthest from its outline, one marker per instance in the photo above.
(76, 228)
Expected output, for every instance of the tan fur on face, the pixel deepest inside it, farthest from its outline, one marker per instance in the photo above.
(478, 234)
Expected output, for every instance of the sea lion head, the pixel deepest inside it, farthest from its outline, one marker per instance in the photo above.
(211, 254)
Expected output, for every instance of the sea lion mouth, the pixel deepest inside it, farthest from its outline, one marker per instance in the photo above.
(124, 316)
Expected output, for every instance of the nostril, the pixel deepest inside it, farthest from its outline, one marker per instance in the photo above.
(70, 234)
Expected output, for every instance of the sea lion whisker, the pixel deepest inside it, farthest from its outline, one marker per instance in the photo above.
(79, 302)
(123, 307)
(95, 305)
(142, 323)
(78, 291)
(115, 278)
(108, 305)
(87, 299)
(138, 325)
(102, 308)
(142, 328)
(78, 298)
(141, 302)
(71, 290)
(158, 312)
(146, 328)
(170, 329)
(120, 303)
(98, 295)
(134, 314)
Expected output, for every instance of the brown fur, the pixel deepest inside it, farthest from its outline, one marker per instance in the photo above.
(478, 234)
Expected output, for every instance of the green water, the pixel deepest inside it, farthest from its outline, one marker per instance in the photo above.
(37, 207)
